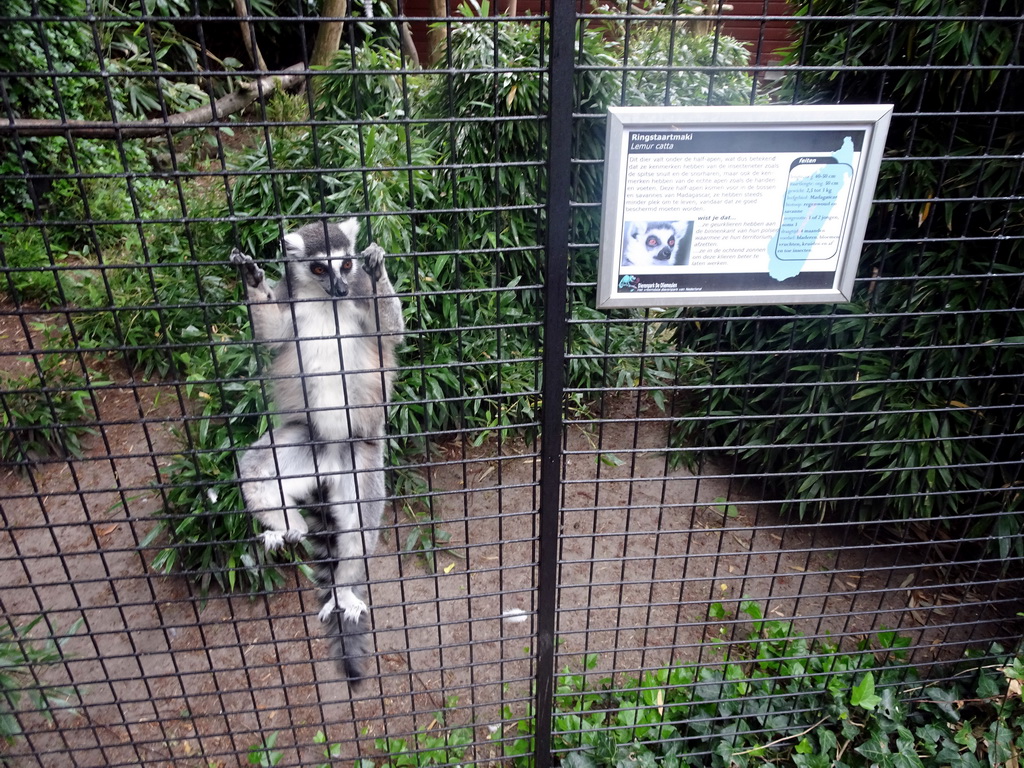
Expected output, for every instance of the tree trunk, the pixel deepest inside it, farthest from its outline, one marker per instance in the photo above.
(437, 35)
(328, 36)
(249, 36)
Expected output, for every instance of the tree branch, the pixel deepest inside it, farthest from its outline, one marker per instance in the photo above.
(208, 116)
(406, 42)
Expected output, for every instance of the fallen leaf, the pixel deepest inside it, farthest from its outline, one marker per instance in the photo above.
(1013, 690)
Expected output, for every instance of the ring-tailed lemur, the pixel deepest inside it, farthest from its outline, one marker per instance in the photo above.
(333, 323)
(656, 243)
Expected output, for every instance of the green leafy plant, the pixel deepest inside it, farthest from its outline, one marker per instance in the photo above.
(438, 744)
(723, 508)
(210, 534)
(376, 90)
(54, 36)
(777, 699)
(29, 273)
(333, 752)
(35, 46)
(22, 659)
(264, 754)
(671, 59)
(764, 696)
(46, 413)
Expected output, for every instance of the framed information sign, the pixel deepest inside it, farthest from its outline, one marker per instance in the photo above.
(708, 206)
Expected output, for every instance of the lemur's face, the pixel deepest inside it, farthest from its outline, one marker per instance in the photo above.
(327, 264)
(331, 272)
(650, 244)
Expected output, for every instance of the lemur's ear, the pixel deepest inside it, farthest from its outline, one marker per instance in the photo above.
(350, 229)
(294, 245)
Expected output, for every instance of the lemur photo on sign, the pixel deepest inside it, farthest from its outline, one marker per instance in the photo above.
(710, 206)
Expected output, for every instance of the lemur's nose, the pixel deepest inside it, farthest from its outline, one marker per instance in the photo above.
(339, 288)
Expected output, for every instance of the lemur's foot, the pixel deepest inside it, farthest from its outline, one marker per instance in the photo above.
(344, 600)
(275, 540)
(373, 261)
(251, 271)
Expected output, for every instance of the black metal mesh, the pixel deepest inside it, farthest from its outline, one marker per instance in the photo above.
(580, 500)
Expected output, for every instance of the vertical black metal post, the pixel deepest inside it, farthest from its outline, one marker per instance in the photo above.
(560, 101)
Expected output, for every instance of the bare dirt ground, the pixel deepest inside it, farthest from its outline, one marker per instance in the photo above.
(167, 678)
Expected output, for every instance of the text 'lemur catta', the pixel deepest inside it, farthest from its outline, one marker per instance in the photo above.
(333, 323)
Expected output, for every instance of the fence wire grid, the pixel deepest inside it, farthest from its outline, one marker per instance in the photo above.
(596, 521)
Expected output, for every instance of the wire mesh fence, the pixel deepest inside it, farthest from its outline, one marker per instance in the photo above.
(686, 536)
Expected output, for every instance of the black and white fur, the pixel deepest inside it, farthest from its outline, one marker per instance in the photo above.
(656, 244)
(333, 323)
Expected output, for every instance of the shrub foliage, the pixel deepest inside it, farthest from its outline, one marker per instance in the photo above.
(902, 404)
(767, 698)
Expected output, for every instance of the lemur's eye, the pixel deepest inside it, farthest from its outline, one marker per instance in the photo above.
(652, 241)
(346, 264)
(318, 269)
(671, 242)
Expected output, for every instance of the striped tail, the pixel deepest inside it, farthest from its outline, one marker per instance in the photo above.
(350, 645)
(346, 617)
